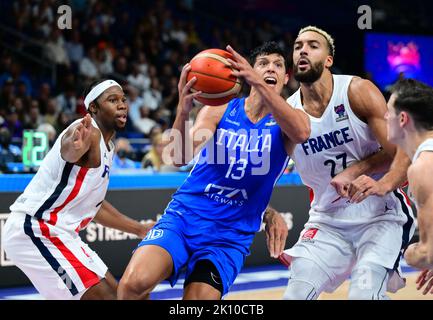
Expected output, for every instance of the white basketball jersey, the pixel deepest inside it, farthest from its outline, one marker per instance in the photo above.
(338, 139)
(427, 145)
(64, 194)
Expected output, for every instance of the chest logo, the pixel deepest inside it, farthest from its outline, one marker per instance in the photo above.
(341, 112)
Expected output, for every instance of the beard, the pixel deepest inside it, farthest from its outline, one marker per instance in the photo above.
(311, 75)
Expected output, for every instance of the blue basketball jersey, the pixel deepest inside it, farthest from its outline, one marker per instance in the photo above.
(235, 172)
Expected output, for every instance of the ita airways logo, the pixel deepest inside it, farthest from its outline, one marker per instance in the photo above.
(341, 112)
(154, 234)
(309, 235)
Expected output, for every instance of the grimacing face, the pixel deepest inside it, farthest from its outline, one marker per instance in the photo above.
(272, 69)
(310, 57)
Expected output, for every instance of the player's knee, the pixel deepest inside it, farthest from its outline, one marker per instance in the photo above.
(369, 283)
(135, 286)
(300, 290)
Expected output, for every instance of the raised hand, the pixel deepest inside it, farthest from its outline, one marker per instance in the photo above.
(185, 95)
(243, 68)
(82, 133)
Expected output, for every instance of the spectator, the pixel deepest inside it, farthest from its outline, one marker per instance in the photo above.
(55, 49)
(50, 131)
(51, 112)
(152, 98)
(134, 102)
(154, 159)
(13, 124)
(89, 65)
(138, 79)
(143, 64)
(33, 118)
(16, 76)
(105, 59)
(6, 96)
(144, 124)
(75, 48)
(63, 120)
(8, 152)
(67, 100)
(123, 150)
(44, 96)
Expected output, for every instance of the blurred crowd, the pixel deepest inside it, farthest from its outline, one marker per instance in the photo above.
(141, 44)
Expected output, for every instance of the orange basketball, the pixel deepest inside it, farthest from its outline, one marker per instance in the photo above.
(214, 78)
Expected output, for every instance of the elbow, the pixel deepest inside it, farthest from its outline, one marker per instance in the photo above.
(302, 135)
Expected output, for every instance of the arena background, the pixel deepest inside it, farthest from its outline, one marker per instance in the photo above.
(45, 67)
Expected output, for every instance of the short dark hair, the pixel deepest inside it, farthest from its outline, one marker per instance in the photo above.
(266, 48)
(416, 98)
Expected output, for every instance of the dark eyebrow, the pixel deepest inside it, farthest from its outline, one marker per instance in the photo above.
(115, 95)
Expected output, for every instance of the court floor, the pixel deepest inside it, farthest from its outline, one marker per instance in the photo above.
(254, 283)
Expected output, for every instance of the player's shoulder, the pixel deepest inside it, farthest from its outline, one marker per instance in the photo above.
(421, 170)
(423, 163)
(359, 85)
(213, 111)
(365, 98)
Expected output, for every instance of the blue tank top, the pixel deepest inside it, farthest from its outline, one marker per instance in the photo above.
(235, 172)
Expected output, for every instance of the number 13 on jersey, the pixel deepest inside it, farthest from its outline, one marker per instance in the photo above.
(236, 169)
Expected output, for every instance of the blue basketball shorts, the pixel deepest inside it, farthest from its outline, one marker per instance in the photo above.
(189, 238)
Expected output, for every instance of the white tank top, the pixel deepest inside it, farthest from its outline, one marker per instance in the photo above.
(63, 194)
(427, 145)
(338, 139)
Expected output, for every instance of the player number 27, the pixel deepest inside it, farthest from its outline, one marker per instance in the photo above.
(238, 172)
(342, 157)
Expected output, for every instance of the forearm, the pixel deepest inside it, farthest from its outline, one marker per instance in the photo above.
(378, 162)
(110, 217)
(397, 174)
(294, 123)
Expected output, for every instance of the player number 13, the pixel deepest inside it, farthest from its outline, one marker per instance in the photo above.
(238, 172)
